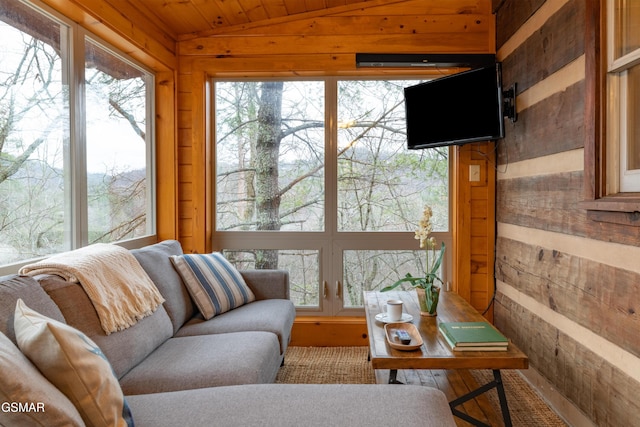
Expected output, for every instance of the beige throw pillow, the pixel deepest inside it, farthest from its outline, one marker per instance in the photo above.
(28, 398)
(75, 365)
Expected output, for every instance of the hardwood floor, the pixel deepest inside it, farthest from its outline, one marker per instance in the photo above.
(453, 383)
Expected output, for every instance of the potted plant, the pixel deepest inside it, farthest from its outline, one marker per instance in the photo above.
(427, 289)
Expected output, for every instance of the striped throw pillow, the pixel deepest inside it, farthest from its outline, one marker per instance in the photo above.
(214, 284)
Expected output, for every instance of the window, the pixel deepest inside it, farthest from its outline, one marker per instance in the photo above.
(313, 176)
(75, 139)
(612, 58)
(623, 80)
(118, 146)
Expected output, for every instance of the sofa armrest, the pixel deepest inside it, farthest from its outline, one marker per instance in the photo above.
(267, 284)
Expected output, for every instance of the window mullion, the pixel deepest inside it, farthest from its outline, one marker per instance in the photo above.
(620, 64)
(332, 257)
(77, 189)
(152, 208)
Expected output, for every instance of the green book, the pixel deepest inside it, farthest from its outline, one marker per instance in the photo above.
(474, 347)
(472, 334)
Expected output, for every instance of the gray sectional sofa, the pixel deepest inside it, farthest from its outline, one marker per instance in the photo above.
(178, 369)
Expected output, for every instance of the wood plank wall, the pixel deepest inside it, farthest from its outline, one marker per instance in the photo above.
(568, 286)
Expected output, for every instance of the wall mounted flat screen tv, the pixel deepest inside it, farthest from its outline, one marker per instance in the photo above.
(456, 109)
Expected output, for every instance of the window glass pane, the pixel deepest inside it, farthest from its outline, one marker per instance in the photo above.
(270, 155)
(34, 132)
(627, 31)
(373, 270)
(116, 106)
(633, 118)
(302, 265)
(382, 186)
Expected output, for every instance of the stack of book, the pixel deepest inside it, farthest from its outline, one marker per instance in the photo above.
(473, 336)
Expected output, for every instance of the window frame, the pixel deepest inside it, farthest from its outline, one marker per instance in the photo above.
(73, 59)
(329, 242)
(150, 137)
(601, 203)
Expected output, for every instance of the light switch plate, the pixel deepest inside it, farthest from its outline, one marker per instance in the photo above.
(474, 173)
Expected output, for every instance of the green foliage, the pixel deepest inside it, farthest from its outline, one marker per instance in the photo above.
(425, 282)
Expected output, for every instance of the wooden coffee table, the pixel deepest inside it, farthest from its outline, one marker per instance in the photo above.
(435, 353)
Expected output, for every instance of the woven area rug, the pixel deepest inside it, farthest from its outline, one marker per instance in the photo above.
(525, 405)
(326, 365)
(349, 365)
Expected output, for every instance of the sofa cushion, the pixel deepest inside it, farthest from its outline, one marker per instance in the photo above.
(293, 405)
(75, 365)
(213, 282)
(21, 383)
(124, 349)
(271, 315)
(154, 259)
(12, 288)
(206, 361)
(267, 284)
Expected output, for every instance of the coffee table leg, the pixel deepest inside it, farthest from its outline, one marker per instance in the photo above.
(393, 375)
(502, 397)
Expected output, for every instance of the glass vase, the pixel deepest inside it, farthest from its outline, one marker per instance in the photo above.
(428, 301)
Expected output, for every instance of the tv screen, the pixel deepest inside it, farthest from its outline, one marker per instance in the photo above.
(456, 109)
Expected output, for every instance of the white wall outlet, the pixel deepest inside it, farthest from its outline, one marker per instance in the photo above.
(474, 173)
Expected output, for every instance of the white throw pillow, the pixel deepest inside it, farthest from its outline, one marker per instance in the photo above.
(75, 365)
(214, 283)
(28, 398)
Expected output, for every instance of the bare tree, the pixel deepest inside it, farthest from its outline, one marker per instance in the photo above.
(266, 166)
(276, 148)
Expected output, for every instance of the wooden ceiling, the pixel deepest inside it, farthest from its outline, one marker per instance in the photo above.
(184, 17)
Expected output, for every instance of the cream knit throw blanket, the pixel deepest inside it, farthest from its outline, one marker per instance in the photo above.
(120, 290)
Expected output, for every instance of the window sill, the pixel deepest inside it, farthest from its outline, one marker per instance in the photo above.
(621, 208)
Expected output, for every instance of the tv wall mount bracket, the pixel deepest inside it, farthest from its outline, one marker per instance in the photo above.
(509, 103)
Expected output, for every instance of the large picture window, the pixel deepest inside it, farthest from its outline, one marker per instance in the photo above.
(75, 139)
(313, 176)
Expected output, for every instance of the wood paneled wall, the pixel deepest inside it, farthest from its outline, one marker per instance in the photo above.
(311, 44)
(568, 286)
(474, 225)
(320, 44)
(125, 27)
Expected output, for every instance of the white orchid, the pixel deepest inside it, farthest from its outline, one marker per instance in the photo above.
(433, 263)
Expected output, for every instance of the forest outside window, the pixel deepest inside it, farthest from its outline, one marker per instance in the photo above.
(75, 159)
(313, 176)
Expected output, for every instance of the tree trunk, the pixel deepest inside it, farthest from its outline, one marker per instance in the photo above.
(267, 154)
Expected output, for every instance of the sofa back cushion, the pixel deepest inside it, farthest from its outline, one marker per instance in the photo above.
(12, 288)
(124, 349)
(155, 261)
